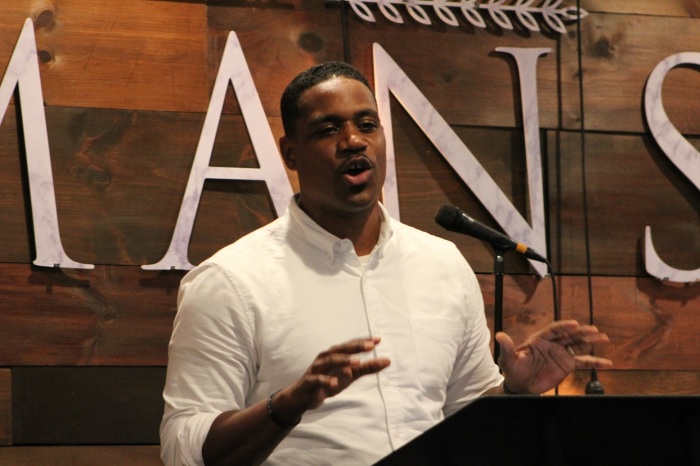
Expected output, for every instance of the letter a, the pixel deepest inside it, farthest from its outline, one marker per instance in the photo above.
(233, 68)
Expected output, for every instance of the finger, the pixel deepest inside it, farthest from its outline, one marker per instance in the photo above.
(589, 330)
(583, 333)
(328, 363)
(585, 344)
(359, 345)
(321, 381)
(507, 350)
(587, 361)
(347, 365)
(567, 332)
(371, 366)
(557, 330)
(590, 341)
(597, 338)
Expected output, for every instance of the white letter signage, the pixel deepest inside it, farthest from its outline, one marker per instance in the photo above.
(233, 68)
(389, 77)
(23, 72)
(678, 149)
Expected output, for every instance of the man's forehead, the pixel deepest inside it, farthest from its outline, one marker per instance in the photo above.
(325, 93)
(336, 85)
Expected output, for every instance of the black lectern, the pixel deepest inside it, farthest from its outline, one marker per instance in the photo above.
(563, 430)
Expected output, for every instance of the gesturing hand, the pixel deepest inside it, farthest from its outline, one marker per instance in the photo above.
(330, 373)
(549, 355)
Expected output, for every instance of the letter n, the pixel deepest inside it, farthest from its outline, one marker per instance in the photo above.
(389, 77)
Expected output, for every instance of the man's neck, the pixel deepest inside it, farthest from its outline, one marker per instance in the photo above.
(362, 228)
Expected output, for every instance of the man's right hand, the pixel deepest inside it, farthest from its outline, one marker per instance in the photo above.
(330, 373)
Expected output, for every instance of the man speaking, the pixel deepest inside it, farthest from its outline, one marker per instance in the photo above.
(336, 334)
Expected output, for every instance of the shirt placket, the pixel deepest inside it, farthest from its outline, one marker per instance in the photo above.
(387, 384)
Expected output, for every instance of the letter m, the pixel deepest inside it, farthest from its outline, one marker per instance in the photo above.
(23, 73)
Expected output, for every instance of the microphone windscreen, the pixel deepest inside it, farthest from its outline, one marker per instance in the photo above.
(446, 216)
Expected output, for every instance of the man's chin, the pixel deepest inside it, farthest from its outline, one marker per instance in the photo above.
(363, 199)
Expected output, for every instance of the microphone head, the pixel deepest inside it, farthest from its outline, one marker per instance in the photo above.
(453, 219)
(446, 216)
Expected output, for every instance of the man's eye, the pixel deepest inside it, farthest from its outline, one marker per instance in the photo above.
(367, 126)
(327, 130)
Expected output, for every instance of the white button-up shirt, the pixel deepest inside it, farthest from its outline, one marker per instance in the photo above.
(252, 318)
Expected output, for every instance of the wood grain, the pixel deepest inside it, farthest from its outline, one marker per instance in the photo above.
(651, 325)
(458, 70)
(454, 64)
(119, 180)
(279, 40)
(107, 316)
(632, 382)
(681, 8)
(87, 405)
(132, 54)
(113, 159)
(5, 407)
(630, 184)
(123, 316)
(619, 54)
(122, 455)
(126, 86)
(426, 181)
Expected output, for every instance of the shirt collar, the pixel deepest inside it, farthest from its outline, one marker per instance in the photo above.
(327, 243)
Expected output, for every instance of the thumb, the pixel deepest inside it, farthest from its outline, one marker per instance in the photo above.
(507, 355)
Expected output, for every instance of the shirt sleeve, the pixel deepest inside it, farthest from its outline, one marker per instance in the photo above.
(211, 361)
(474, 370)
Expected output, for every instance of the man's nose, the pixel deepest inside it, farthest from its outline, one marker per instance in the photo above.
(352, 139)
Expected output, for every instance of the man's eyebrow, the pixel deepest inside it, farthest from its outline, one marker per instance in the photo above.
(369, 112)
(323, 118)
(332, 117)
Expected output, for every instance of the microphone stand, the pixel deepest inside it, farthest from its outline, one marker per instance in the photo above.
(498, 271)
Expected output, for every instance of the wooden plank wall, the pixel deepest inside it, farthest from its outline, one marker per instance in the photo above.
(126, 87)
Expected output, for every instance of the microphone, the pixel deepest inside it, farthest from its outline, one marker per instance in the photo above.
(453, 219)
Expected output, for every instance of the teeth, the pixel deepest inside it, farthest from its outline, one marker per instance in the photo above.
(358, 165)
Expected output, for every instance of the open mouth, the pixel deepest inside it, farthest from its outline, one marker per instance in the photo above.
(356, 171)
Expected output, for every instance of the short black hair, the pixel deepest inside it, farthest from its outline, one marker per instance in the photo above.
(289, 103)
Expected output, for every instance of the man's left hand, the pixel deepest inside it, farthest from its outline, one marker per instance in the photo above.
(549, 355)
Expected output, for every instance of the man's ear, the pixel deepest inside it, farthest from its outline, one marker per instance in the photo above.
(288, 152)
